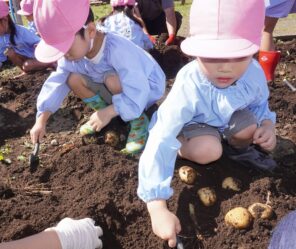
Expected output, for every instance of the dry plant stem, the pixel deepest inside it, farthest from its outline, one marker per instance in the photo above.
(268, 202)
(293, 89)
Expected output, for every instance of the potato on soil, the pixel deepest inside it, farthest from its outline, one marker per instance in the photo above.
(207, 196)
(239, 218)
(111, 138)
(187, 174)
(232, 184)
(260, 210)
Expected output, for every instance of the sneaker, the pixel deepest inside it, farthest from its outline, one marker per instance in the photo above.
(251, 158)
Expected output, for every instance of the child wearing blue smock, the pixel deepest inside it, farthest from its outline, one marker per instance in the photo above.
(18, 43)
(123, 22)
(218, 103)
(109, 73)
(269, 57)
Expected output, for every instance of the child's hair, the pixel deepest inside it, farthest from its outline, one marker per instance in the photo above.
(128, 11)
(90, 18)
(12, 30)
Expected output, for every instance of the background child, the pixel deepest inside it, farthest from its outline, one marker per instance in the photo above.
(221, 95)
(109, 73)
(268, 56)
(123, 21)
(27, 11)
(68, 234)
(18, 43)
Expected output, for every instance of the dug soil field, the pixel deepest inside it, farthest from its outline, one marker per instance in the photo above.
(85, 177)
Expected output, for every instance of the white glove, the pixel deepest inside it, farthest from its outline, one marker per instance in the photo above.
(78, 234)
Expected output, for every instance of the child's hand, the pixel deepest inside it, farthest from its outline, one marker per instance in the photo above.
(78, 234)
(164, 223)
(99, 119)
(37, 132)
(265, 136)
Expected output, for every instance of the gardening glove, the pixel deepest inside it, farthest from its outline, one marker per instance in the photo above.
(78, 234)
(152, 39)
(170, 40)
(268, 61)
(96, 103)
(137, 136)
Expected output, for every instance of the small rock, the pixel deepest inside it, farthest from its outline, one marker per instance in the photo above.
(54, 142)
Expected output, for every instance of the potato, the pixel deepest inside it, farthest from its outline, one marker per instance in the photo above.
(111, 138)
(239, 218)
(260, 210)
(232, 184)
(207, 196)
(187, 174)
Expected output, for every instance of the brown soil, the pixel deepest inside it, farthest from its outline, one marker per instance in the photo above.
(78, 178)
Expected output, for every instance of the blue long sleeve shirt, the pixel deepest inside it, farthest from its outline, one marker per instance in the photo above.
(142, 80)
(194, 99)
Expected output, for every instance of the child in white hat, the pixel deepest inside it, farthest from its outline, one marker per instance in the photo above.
(123, 21)
(219, 102)
(109, 73)
(67, 234)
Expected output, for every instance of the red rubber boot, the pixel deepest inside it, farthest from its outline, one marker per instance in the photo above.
(268, 61)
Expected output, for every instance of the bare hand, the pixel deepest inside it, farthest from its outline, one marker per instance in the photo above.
(99, 119)
(165, 224)
(265, 137)
(37, 132)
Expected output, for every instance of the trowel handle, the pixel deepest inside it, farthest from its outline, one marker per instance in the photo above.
(36, 149)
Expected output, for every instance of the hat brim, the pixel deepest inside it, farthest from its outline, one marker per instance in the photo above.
(49, 53)
(23, 13)
(232, 48)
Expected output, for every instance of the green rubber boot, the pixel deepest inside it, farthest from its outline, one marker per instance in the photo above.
(96, 103)
(137, 136)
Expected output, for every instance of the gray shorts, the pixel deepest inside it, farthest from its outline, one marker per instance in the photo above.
(239, 120)
(100, 88)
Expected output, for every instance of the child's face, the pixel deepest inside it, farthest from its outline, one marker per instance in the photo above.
(79, 48)
(224, 72)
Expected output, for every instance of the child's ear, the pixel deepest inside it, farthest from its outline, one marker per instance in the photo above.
(92, 30)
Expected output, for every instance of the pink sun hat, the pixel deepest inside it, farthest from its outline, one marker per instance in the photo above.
(115, 3)
(4, 10)
(26, 8)
(57, 22)
(224, 28)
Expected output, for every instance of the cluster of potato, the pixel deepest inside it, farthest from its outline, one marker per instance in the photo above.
(241, 217)
(238, 217)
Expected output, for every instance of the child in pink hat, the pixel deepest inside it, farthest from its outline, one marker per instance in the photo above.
(27, 11)
(123, 22)
(17, 43)
(109, 73)
(268, 56)
(218, 103)
(67, 234)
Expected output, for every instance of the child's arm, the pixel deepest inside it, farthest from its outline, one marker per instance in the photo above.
(68, 234)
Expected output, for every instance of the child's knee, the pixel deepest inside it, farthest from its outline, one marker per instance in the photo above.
(74, 80)
(113, 84)
(206, 153)
(246, 133)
